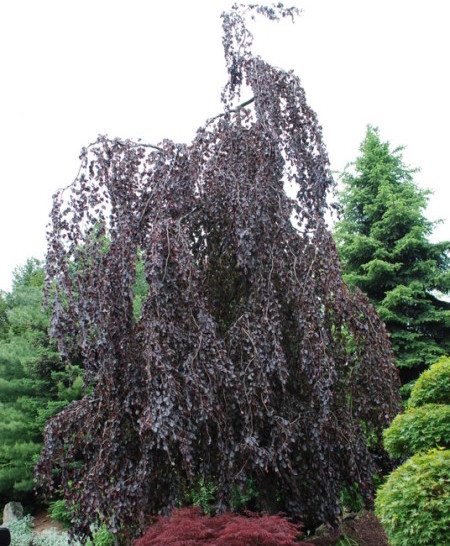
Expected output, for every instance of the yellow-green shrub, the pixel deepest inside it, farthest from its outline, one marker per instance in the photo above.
(433, 385)
(413, 504)
(419, 429)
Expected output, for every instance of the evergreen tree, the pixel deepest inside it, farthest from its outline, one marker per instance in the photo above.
(34, 382)
(383, 241)
(3, 319)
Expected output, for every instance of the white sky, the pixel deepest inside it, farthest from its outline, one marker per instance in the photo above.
(73, 69)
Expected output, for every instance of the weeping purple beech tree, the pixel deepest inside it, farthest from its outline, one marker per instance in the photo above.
(250, 358)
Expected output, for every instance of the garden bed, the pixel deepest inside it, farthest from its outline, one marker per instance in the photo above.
(363, 530)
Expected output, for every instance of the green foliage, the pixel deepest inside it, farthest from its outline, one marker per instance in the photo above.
(203, 495)
(383, 244)
(405, 390)
(433, 386)
(22, 535)
(140, 287)
(419, 429)
(345, 540)
(241, 496)
(58, 511)
(413, 505)
(34, 382)
(351, 498)
(102, 537)
(3, 316)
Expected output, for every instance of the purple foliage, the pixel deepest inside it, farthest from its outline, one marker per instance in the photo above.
(250, 357)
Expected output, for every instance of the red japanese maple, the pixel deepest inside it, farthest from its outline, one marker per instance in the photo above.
(188, 527)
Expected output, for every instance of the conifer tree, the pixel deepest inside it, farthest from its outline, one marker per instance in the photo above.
(3, 319)
(383, 241)
(34, 382)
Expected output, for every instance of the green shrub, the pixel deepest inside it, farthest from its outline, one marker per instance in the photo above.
(102, 537)
(413, 505)
(419, 429)
(241, 496)
(433, 385)
(203, 495)
(58, 511)
(351, 499)
(405, 391)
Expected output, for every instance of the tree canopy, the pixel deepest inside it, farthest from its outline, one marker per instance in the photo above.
(383, 240)
(249, 357)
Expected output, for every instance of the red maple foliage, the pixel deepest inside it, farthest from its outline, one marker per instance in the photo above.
(189, 527)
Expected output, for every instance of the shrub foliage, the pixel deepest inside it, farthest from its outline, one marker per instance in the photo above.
(419, 429)
(433, 385)
(250, 357)
(413, 505)
(188, 527)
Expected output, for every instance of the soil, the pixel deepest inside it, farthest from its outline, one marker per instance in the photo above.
(42, 522)
(364, 529)
(367, 531)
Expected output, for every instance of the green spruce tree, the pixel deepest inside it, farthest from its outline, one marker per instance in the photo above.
(383, 241)
(34, 382)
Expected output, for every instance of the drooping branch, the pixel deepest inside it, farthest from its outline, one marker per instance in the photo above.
(250, 361)
(235, 110)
